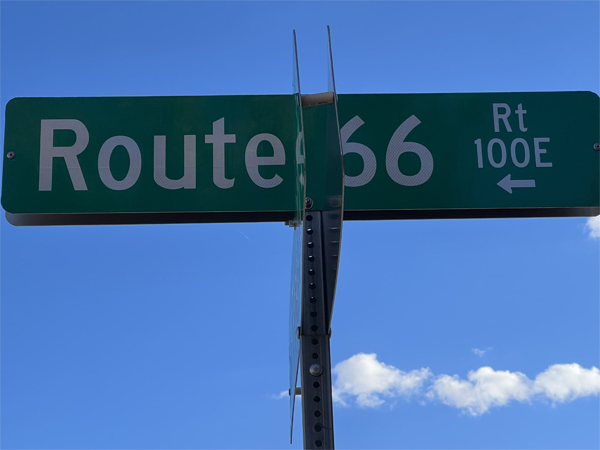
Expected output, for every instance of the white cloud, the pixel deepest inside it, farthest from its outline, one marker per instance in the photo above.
(480, 352)
(566, 382)
(370, 383)
(593, 225)
(368, 380)
(483, 389)
(281, 395)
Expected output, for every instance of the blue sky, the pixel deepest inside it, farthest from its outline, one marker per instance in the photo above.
(176, 336)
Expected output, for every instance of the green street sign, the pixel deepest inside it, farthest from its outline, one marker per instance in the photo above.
(232, 158)
(470, 155)
(149, 155)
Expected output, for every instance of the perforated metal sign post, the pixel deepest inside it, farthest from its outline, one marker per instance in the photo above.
(315, 359)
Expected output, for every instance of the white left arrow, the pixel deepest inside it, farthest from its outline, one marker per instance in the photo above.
(507, 184)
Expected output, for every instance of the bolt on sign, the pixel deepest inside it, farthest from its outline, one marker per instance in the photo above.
(232, 158)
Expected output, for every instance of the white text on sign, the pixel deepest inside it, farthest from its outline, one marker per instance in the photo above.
(396, 147)
(520, 150)
(218, 139)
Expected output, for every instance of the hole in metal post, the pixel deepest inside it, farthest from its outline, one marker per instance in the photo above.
(314, 342)
(309, 218)
(313, 300)
(318, 427)
(314, 328)
(316, 384)
(318, 443)
(317, 413)
(313, 314)
(317, 399)
(315, 356)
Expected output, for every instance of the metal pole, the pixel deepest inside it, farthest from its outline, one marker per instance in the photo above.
(315, 361)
